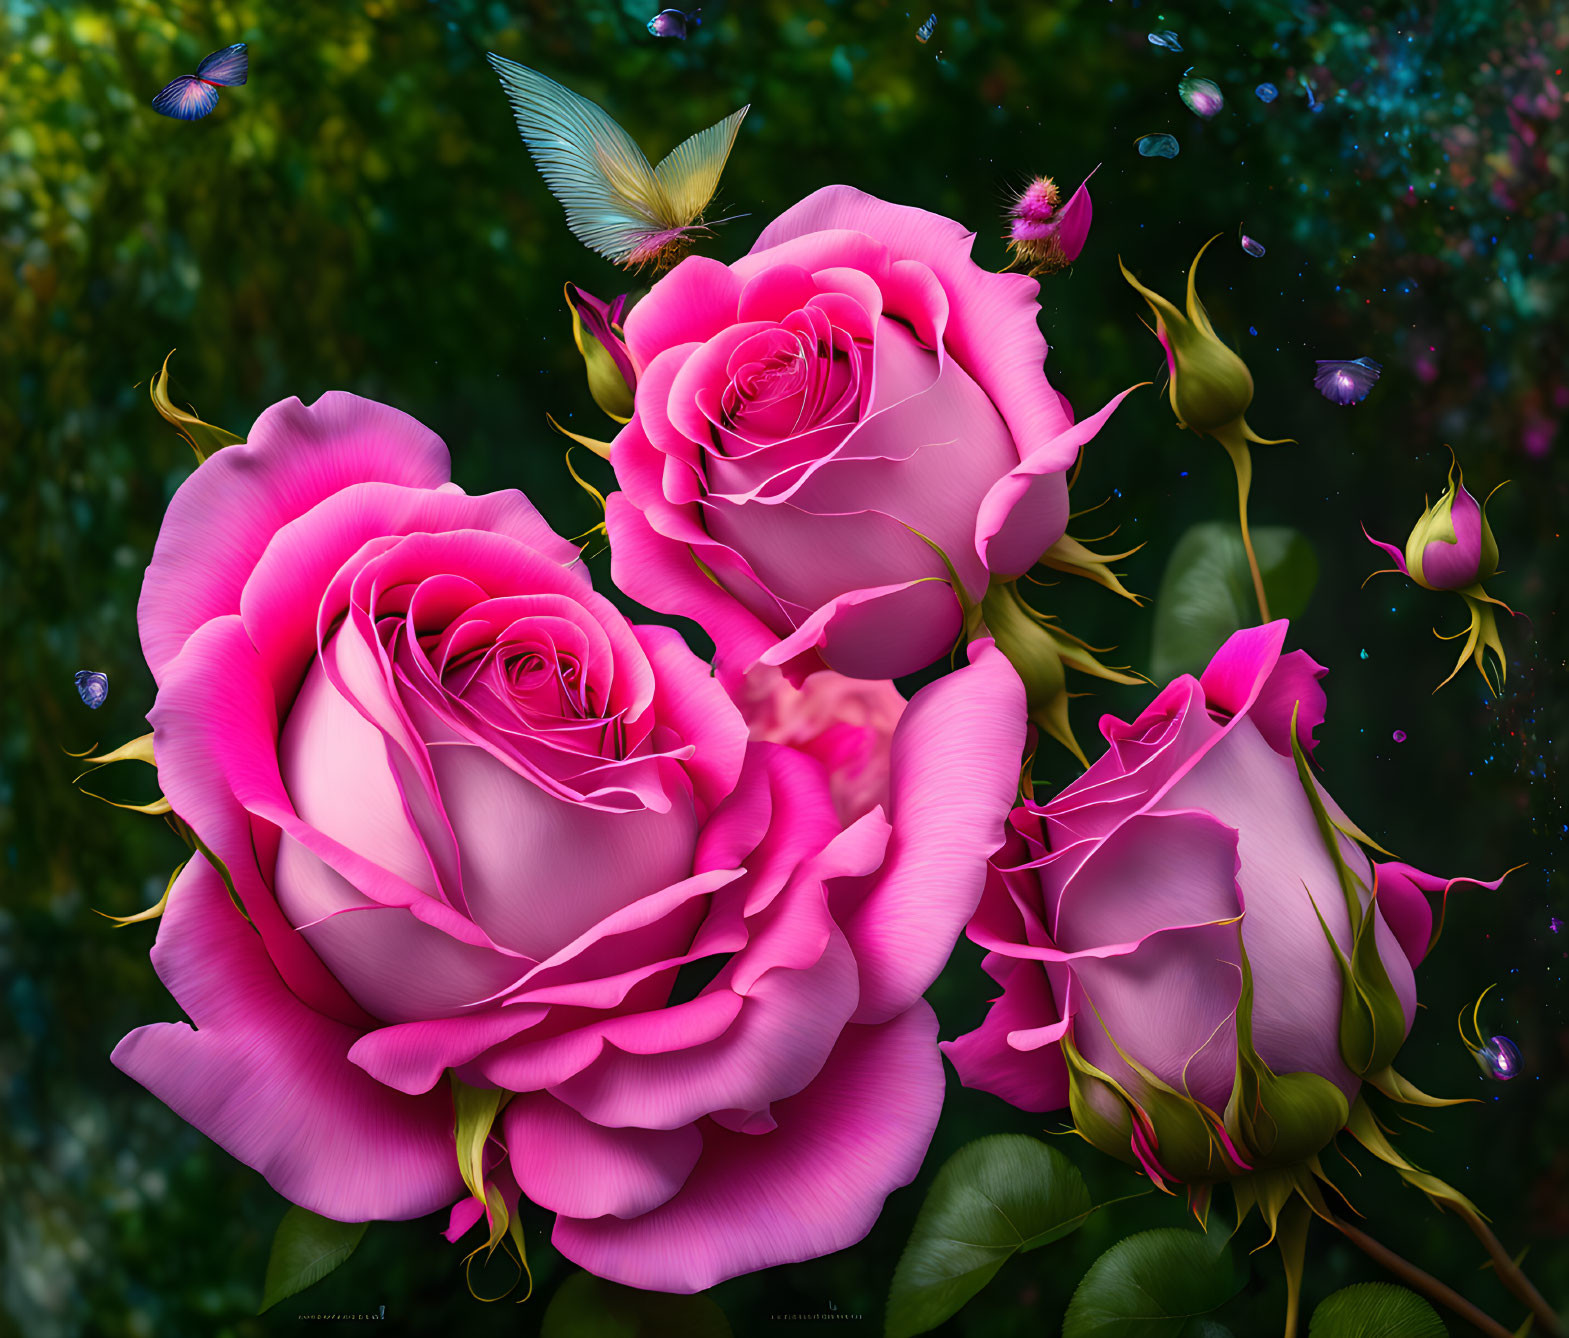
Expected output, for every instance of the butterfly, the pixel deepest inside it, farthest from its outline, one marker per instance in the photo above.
(192, 96)
(616, 204)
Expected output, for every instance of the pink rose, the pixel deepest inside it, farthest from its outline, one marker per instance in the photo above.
(807, 419)
(847, 724)
(479, 823)
(1117, 915)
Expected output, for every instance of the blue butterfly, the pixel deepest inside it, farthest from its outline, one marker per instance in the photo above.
(192, 96)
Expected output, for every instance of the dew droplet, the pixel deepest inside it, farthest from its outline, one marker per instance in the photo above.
(1202, 96)
(1364, 653)
(1166, 38)
(93, 687)
(1266, 92)
(1252, 247)
(1159, 146)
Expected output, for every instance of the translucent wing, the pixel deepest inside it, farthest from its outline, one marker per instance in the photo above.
(227, 67)
(613, 201)
(689, 173)
(186, 99)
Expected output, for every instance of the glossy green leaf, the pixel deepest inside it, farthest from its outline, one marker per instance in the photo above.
(588, 1307)
(1206, 593)
(999, 1195)
(1375, 1310)
(305, 1249)
(1153, 1285)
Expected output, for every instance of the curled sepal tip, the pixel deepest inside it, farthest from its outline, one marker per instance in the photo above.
(1363, 1125)
(139, 749)
(482, 1163)
(203, 438)
(1073, 558)
(1041, 653)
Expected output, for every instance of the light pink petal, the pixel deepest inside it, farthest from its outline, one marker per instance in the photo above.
(1400, 889)
(1171, 1005)
(953, 777)
(1450, 566)
(1073, 221)
(663, 574)
(992, 326)
(522, 848)
(227, 512)
(1396, 554)
(814, 1184)
(984, 1059)
(883, 632)
(211, 760)
(1240, 668)
(412, 1056)
(269, 1080)
(691, 703)
(1291, 686)
(568, 1165)
(1156, 870)
(798, 981)
(1286, 872)
(1026, 511)
(691, 304)
(279, 600)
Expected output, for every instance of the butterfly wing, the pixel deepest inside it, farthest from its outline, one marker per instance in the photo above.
(689, 173)
(186, 99)
(614, 203)
(228, 67)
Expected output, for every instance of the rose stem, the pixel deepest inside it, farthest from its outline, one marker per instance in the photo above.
(1510, 1275)
(1419, 1281)
(1242, 458)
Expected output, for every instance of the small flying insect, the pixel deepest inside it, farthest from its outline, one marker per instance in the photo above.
(616, 204)
(192, 96)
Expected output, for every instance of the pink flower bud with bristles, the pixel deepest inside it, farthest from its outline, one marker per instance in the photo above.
(1042, 236)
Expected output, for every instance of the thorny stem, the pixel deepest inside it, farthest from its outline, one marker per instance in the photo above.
(1510, 1275)
(1242, 458)
(1418, 1281)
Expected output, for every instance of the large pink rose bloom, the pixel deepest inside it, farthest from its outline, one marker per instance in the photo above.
(478, 823)
(808, 418)
(1116, 916)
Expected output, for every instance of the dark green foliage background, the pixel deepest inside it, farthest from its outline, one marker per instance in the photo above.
(362, 216)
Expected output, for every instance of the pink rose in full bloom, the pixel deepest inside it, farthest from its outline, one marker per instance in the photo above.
(847, 724)
(1161, 933)
(814, 422)
(479, 823)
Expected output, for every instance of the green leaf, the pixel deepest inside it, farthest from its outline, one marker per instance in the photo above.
(588, 1307)
(1206, 593)
(304, 1250)
(1375, 1310)
(1152, 1285)
(999, 1195)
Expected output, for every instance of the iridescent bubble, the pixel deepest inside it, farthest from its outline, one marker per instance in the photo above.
(1499, 1058)
(1342, 382)
(1159, 146)
(1252, 247)
(93, 687)
(1203, 96)
(1266, 92)
(1399, 736)
(1167, 39)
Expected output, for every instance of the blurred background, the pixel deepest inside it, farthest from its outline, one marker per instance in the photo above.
(361, 215)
